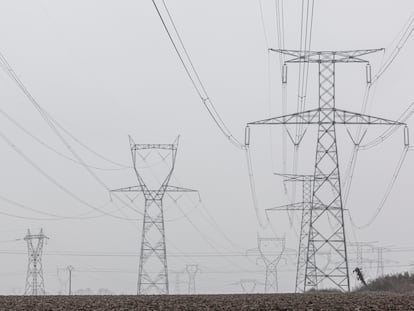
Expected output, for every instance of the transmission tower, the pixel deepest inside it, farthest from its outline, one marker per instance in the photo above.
(191, 270)
(327, 230)
(34, 280)
(270, 252)
(305, 208)
(153, 270)
(70, 270)
(360, 248)
(381, 260)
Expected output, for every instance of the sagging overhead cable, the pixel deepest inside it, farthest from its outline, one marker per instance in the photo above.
(53, 125)
(387, 192)
(405, 35)
(191, 71)
(400, 40)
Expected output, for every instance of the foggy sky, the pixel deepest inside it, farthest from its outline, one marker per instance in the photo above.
(106, 70)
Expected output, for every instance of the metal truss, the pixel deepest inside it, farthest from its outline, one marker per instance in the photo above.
(153, 269)
(329, 57)
(325, 116)
(305, 208)
(271, 260)
(327, 230)
(34, 279)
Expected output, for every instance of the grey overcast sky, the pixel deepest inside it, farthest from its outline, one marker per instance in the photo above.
(106, 69)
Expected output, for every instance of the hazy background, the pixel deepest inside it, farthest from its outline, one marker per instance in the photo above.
(106, 70)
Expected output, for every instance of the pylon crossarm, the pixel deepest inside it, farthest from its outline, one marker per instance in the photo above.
(154, 146)
(340, 117)
(352, 56)
(348, 117)
(288, 207)
(165, 189)
(295, 177)
(179, 189)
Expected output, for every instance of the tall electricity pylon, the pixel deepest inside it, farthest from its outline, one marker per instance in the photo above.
(34, 280)
(191, 270)
(327, 230)
(305, 208)
(153, 269)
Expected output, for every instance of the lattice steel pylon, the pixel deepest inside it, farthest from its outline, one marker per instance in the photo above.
(305, 208)
(35, 284)
(153, 269)
(271, 251)
(192, 271)
(327, 230)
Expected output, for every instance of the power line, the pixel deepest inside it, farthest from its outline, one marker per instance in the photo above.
(193, 75)
(53, 180)
(47, 146)
(52, 124)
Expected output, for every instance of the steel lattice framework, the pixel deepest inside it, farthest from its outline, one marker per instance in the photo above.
(305, 208)
(153, 268)
(34, 279)
(271, 260)
(327, 230)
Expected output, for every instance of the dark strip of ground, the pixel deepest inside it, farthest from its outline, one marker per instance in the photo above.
(310, 302)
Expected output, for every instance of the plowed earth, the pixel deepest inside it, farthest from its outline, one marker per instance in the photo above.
(320, 301)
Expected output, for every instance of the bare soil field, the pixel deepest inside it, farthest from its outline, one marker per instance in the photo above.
(314, 301)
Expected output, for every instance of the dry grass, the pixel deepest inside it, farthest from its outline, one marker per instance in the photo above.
(397, 283)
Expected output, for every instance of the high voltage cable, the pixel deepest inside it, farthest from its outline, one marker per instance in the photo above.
(52, 123)
(193, 74)
(387, 192)
(186, 216)
(212, 219)
(304, 46)
(194, 77)
(54, 181)
(47, 146)
(173, 255)
(55, 216)
(404, 35)
(390, 131)
(408, 112)
(281, 45)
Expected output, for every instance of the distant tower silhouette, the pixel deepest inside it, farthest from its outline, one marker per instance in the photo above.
(192, 270)
(271, 251)
(34, 280)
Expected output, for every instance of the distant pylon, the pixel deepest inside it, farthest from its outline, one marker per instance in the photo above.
(327, 228)
(360, 247)
(70, 270)
(271, 251)
(305, 208)
(191, 270)
(34, 279)
(380, 261)
(153, 270)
